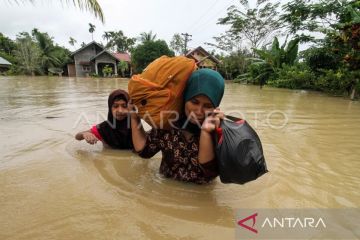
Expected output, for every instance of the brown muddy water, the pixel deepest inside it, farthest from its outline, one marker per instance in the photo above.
(54, 187)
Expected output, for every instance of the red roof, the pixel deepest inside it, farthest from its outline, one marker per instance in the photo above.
(122, 56)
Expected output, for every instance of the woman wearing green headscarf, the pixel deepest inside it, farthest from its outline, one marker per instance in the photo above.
(188, 151)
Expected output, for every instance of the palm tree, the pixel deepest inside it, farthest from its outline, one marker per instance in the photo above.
(89, 5)
(47, 49)
(92, 30)
(145, 37)
(72, 41)
(106, 36)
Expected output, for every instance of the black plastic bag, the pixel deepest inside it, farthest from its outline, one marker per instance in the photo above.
(239, 152)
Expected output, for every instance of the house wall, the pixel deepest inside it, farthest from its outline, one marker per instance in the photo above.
(207, 63)
(84, 56)
(71, 70)
(198, 55)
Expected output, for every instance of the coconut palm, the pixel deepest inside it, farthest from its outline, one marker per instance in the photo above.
(72, 41)
(89, 5)
(106, 36)
(47, 48)
(144, 36)
(92, 30)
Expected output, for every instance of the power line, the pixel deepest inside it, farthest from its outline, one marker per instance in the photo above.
(213, 16)
(207, 23)
(205, 13)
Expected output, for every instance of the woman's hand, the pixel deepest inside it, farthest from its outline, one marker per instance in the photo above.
(137, 130)
(212, 121)
(132, 110)
(90, 138)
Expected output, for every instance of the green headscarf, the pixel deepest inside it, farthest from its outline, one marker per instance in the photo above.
(206, 82)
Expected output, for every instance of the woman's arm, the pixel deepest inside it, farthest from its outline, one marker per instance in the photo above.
(87, 135)
(207, 148)
(137, 130)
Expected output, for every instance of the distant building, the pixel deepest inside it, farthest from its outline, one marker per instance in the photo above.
(203, 58)
(92, 58)
(4, 65)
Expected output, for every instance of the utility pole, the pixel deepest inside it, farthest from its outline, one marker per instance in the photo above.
(186, 40)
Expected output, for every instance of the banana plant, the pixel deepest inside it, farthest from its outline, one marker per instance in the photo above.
(269, 60)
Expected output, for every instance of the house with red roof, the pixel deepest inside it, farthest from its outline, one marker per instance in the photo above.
(93, 57)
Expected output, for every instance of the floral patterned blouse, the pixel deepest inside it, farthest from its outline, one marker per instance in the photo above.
(179, 156)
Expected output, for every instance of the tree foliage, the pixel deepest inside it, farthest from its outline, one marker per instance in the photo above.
(269, 61)
(123, 67)
(92, 6)
(147, 52)
(147, 36)
(177, 44)
(33, 53)
(27, 54)
(256, 25)
(118, 41)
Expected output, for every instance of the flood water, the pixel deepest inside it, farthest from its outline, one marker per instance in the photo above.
(54, 187)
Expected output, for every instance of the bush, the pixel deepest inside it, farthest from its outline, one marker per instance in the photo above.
(337, 82)
(321, 58)
(298, 76)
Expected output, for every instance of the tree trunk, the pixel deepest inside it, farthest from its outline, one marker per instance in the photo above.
(353, 92)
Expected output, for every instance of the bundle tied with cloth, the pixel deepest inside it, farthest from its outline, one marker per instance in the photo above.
(158, 94)
(158, 91)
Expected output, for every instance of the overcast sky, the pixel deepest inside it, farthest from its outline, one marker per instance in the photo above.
(163, 17)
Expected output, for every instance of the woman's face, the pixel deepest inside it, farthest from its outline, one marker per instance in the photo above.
(197, 108)
(119, 109)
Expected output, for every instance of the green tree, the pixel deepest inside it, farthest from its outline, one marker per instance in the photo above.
(106, 36)
(256, 25)
(123, 67)
(119, 41)
(234, 64)
(305, 17)
(270, 60)
(27, 54)
(7, 47)
(6, 44)
(92, 30)
(147, 52)
(47, 48)
(228, 42)
(340, 22)
(177, 44)
(72, 41)
(147, 36)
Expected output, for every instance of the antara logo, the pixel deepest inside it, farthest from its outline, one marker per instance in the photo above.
(242, 221)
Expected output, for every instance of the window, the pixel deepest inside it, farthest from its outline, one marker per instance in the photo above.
(86, 68)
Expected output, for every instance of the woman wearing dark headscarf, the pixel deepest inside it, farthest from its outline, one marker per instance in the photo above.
(188, 150)
(115, 132)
